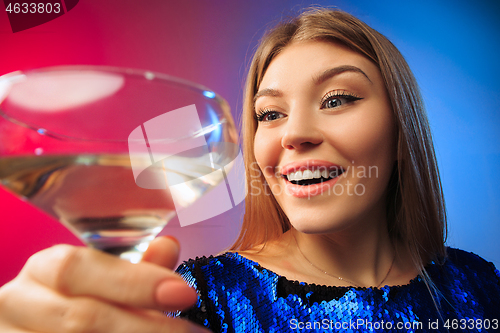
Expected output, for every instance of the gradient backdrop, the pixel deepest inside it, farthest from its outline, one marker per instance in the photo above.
(452, 47)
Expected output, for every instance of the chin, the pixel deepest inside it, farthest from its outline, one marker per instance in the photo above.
(318, 223)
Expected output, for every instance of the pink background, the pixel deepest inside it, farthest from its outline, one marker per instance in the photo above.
(189, 39)
(210, 42)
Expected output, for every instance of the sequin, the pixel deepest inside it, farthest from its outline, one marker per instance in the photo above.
(238, 295)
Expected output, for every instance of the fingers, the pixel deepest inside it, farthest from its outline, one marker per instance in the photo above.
(79, 271)
(39, 309)
(10, 329)
(7, 321)
(78, 290)
(163, 251)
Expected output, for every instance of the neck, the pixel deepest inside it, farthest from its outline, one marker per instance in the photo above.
(361, 255)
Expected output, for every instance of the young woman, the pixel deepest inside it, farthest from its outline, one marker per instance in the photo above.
(344, 196)
(344, 226)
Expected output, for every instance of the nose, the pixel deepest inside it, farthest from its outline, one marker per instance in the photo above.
(301, 132)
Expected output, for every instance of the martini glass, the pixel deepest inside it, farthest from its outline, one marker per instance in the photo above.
(112, 153)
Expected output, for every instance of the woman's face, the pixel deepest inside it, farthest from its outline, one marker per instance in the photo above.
(326, 136)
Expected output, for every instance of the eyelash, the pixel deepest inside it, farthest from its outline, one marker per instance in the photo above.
(262, 113)
(349, 97)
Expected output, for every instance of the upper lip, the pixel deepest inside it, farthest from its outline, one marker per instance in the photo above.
(307, 165)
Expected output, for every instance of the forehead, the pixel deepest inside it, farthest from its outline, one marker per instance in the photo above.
(305, 61)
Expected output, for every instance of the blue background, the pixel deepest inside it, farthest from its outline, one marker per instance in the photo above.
(453, 49)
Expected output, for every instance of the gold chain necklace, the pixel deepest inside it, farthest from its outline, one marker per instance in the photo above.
(340, 278)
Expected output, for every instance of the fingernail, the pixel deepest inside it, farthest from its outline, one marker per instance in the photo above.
(175, 293)
(176, 241)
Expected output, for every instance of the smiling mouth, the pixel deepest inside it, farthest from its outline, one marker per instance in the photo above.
(311, 177)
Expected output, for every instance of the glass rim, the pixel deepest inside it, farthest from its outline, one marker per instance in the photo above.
(9, 79)
(146, 74)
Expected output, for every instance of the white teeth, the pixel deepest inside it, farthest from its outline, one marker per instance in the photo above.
(307, 174)
(296, 175)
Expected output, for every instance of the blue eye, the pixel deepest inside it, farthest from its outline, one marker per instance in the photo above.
(337, 98)
(333, 103)
(268, 115)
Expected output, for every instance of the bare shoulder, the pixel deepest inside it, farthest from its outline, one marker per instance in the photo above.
(267, 254)
(277, 255)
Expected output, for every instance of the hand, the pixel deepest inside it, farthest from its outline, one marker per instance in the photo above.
(77, 289)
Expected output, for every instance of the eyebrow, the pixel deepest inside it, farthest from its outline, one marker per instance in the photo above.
(327, 74)
(267, 92)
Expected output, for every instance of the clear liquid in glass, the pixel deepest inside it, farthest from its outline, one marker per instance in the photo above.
(97, 198)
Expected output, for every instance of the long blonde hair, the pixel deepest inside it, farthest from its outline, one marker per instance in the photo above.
(415, 205)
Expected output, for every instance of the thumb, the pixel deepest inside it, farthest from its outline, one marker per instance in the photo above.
(163, 251)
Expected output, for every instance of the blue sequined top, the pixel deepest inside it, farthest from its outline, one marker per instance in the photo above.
(236, 294)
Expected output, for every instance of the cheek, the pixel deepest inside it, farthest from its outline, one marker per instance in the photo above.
(367, 138)
(266, 151)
